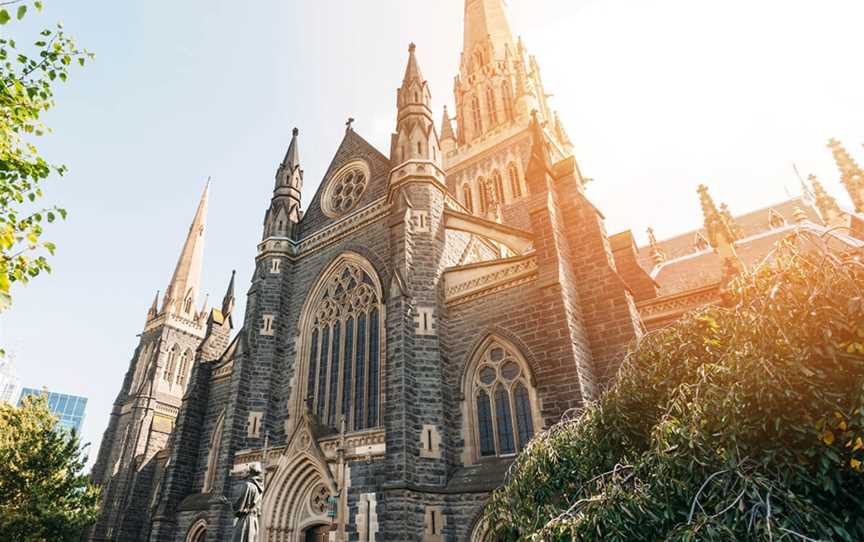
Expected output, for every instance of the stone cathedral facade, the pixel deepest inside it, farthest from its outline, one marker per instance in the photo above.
(405, 334)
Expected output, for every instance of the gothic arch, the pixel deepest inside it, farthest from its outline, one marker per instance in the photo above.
(213, 453)
(346, 303)
(299, 490)
(198, 531)
(500, 406)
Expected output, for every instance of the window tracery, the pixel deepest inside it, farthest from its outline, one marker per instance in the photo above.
(490, 103)
(477, 115)
(466, 198)
(500, 395)
(183, 370)
(344, 349)
(171, 365)
(345, 189)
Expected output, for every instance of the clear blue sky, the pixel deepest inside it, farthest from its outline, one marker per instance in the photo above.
(658, 97)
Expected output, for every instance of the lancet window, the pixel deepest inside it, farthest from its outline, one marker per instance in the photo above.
(344, 349)
(466, 198)
(507, 99)
(171, 365)
(477, 116)
(490, 103)
(498, 187)
(183, 370)
(501, 401)
(515, 185)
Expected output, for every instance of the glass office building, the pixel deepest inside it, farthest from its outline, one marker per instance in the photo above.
(69, 409)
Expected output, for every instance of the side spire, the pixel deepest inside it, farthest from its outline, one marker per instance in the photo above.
(415, 137)
(284, 208)
(720, 233)
(658, 255)
(228, 300)
(852, 176)
(154, 308)
(447, 127)
(185, 283)
(827, 205)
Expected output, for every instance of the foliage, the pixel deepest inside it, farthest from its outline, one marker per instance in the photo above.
(740, 422)
(26, 92)
(44, 495)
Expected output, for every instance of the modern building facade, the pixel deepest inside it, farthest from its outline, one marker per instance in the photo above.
(405, 335)
(69, 409)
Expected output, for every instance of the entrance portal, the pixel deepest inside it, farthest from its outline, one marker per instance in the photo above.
(321, 533)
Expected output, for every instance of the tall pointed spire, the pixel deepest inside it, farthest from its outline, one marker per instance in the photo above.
(852, 174)
(487, 31)
(185, 283)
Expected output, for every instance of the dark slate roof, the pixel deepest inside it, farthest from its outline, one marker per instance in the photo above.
(705, 268)
(751, 223)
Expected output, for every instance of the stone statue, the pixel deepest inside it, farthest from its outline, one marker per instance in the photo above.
(247, 508)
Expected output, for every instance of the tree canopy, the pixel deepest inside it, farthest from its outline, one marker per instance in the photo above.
(27, 78)
(739, 422)
(44, 493)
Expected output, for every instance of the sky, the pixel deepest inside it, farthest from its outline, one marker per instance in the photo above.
(658, 96)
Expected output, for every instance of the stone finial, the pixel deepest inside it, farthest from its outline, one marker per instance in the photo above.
(800, 215)
(447, 127)
(720, 235)
(827, 205)
(154, 308)
(658, 255)
(852, 176)
(228, 300)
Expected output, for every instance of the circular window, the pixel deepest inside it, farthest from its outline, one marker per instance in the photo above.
(345, 189)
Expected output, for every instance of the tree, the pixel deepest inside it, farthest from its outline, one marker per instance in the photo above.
(739, 422)
(44, 493)
(26, 92)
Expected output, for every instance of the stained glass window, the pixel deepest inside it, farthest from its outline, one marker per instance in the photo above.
(344, 369)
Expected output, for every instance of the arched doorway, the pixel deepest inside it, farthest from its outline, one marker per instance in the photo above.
(319, 533)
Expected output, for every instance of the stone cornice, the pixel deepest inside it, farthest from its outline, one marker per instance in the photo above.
(181, 324)
(332, 233)
(470, 282)
(673, 306)
(360, 445)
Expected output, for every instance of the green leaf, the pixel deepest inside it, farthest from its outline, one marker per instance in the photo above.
(4, 16)
(22, 11)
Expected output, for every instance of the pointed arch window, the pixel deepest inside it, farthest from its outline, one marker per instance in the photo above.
(502, 407)
(344, 348)
(498, 187)
(477, 115)
(213, 454)
(481, 195)
(171, 365)
(507, 100)
(466, 198)
(515, 185)
(183, 370)
(490, 103)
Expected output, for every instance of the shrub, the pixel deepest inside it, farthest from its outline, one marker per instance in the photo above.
(738, 422)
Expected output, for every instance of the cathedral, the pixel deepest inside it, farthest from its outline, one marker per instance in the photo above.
(410, 329)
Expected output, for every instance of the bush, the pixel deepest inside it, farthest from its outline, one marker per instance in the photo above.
(739, 422)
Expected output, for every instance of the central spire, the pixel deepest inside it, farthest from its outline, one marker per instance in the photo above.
(486, 20)
(186, 281)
